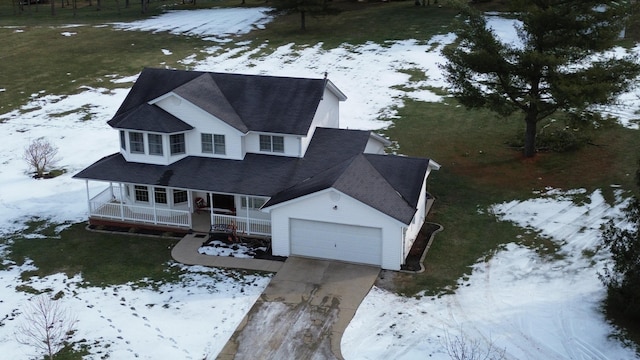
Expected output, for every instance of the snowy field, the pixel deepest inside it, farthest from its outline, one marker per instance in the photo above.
(532, 306)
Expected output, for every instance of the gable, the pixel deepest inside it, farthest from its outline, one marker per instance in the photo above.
(204, 93)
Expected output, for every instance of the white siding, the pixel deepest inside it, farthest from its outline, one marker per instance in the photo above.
(327, 115)
(203, 122)
(418, 220)
(320, 207)
(374, 146)
(291, 144)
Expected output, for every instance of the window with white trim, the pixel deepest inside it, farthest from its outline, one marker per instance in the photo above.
(213, 144)
(179, 196)
(142, 193)
(207, 143)
(254, 202)
(160, 195)
(123, 141)
(136, 142)
(155, 144)
(176, 143)
(219, 144)
(272, 143)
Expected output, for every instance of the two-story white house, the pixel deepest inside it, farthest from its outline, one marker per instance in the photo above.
(265, 156)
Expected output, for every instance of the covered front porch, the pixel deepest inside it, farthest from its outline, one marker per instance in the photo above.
(166, 207)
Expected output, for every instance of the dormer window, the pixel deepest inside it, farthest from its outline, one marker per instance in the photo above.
(155, 144)
(272, 143)
(136, 142)
(177, 145)
(123, 141)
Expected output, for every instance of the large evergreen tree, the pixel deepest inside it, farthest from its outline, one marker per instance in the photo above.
(622, 274)
(561, 61)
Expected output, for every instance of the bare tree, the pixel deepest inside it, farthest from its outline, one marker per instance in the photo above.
(40, 155)
(459, 347)
(46, 326)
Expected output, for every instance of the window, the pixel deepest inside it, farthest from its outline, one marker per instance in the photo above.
(176, 143)
(219, 144)
(207, 143)
(136, 141)
(160, 195)
(272, 143)
(213, 144)
(179, 196)
(142, 193)
(123, 142)
(155, 144)
(254, 203)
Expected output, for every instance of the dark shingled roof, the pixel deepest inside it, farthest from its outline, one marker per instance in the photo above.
(334, 157)
(147, 117)
(205, 93)
(200, 173)
(259, 103)
(366, 177)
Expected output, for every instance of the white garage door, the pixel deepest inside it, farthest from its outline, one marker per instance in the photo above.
(323, 240)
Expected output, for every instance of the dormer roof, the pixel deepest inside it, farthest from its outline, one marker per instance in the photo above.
(145, 117)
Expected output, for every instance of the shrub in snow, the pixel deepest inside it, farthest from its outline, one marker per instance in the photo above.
(40, 155)
(46, 326)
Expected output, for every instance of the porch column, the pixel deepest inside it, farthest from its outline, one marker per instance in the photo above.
(210, 196)
(190, 208)
(111, 189)
(247, 219)
(152, 198)
(121, 203)
(86, 183)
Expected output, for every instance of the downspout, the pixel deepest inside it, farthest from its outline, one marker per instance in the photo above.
(404, 246)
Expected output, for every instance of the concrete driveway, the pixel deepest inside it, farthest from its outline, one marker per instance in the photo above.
(303, 311)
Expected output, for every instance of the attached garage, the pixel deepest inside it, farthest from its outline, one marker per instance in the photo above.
(325, 240)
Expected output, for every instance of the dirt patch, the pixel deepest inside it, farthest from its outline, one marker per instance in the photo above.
(413, 262)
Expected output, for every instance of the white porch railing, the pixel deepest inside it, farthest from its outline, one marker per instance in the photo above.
(108, 204)
(249, 226)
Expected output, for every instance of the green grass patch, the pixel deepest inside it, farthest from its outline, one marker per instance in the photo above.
(101, 258)
(479, 169)
(357, 23)
(92, 57)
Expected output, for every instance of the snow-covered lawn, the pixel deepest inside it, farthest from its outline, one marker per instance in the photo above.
(534, 306)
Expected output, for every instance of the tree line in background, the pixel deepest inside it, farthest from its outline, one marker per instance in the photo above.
(20, 6)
